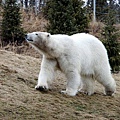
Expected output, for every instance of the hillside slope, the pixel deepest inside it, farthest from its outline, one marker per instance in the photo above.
(20, 101)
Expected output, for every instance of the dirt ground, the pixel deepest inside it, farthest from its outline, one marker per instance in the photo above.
(20, 101)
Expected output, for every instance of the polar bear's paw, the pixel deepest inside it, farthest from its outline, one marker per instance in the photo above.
(86, 92)
(41, 88)
(70, 93)
(109, 93)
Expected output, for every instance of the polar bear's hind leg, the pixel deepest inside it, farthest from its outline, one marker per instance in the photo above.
(108, 82)
(87, 85)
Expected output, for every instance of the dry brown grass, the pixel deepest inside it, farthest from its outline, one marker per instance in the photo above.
(33, 23)
(95, 28)
(24, 49)
(20, 101)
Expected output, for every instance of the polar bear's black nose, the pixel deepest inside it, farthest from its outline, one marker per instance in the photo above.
(26, 36)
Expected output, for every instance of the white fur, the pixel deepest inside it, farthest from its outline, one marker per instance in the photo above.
(81, 57)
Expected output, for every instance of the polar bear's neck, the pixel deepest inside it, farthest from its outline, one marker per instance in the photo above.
(54, 48)
(58, 44)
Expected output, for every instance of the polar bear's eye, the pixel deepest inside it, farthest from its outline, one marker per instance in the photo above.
(48, 35)
(36, 34)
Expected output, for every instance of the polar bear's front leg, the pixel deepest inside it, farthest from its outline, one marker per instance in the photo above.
(72, 83)
(42, 81)
(46, 74)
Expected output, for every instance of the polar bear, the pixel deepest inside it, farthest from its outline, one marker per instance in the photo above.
(81, 57)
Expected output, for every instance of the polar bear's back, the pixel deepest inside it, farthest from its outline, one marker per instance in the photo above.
(86, 39)
(89, 43)
(92, 52)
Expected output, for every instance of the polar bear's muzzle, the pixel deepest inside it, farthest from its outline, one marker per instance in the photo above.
(28, 38)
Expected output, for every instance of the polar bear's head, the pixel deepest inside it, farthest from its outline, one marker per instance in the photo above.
(38, 39)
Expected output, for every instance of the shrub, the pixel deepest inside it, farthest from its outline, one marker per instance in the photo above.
(11, 30)
(111, 42)
(66, 16)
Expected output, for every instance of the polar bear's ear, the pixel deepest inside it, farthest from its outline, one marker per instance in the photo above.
(48, 35)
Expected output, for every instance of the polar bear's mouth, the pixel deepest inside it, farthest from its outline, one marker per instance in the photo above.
(28, 39)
